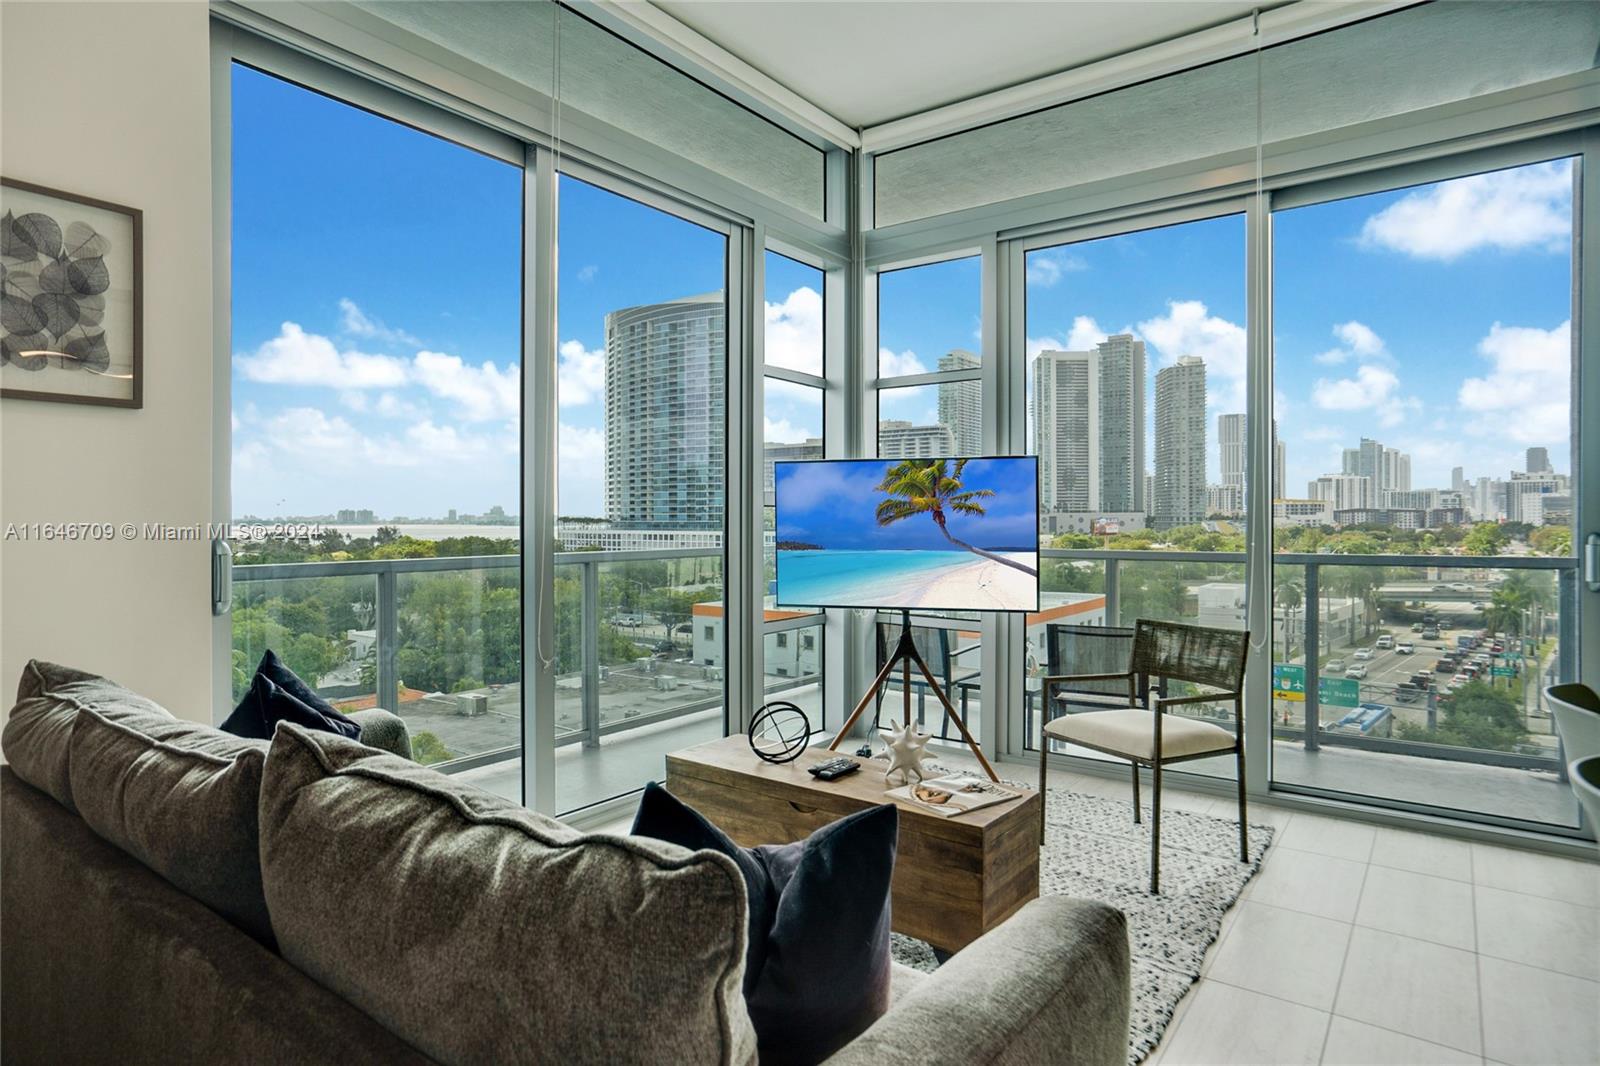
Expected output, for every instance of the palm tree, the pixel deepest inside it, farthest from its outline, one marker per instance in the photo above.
(929, 486)
(1290, 597)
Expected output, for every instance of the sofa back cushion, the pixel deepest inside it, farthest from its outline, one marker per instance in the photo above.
(488, 933)
(38, 732)
(181, 798)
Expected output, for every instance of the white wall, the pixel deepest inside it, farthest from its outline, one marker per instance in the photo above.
(112, 100)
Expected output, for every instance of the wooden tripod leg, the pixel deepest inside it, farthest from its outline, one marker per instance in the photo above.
(960, 725)
(872, 692)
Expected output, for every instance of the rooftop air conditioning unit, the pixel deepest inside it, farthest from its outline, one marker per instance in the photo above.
(666, 683)
(472, 704)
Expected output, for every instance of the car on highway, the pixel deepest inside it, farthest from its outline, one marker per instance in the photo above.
(1406, 692)
(1460, 586)
(1416, 627)
(1446, 665)
(1430, 633)
(1498, 648)
(1361, 655)
(1385, 641)
(1333, 666)
(1423, 679)
(1405, 647)
(1357, 670)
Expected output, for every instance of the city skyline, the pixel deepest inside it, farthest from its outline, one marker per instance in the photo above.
(357, 380)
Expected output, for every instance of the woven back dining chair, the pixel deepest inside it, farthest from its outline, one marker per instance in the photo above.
(1141, 730)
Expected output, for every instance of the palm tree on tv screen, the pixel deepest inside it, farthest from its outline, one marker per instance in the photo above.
(931, 487)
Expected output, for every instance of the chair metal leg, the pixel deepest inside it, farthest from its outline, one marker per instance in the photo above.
(1137, 815)
(1155, 828)
(1044, 756)
(1244, 819)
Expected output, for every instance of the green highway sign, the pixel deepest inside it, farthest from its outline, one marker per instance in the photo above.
(1502, 671)
(1339, 691)
(1289, 683)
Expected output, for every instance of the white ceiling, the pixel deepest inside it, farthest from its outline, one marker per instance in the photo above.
(890, 58)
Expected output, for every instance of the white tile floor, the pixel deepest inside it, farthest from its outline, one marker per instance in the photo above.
(1359, 945)
(1364, 945)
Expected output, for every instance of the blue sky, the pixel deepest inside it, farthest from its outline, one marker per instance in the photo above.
(377, 312)
(833, 504)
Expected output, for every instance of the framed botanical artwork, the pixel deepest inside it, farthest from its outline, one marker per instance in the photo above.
(71, 301)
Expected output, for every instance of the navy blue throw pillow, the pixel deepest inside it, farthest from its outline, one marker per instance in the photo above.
(817, 967)
(277, 695)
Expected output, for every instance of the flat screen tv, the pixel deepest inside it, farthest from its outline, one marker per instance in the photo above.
(908, 534)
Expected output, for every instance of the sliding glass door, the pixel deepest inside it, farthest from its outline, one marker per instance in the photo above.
(376, 380)
(1425, 578)
(641, 490)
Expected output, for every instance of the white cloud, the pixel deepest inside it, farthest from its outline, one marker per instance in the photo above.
(1527, 392)
(794, 331)
(1509, 210)
(580, 375)
(1357, 341)
(295, 357)
(898, 364)
(358, 323)
(1045, 268)
(1373, 388)
(1086, 333)
(587, 273)
(1188, 328)
(444, 443)
(580, 469)
(480, 393)
(782, 431)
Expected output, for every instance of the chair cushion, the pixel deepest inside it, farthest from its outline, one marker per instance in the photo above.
(1131, 732)
(489, 933)
(38, 732)
(181, 798)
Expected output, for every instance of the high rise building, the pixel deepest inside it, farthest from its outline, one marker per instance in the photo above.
(961, 404)
(1180, 428)
(1539, 461)
(1232, 442)
(1351, 463)
(1122, 424)
(1088, 417)
(1343, 491)
(666, 374)
(902, 440)
(1458, 479)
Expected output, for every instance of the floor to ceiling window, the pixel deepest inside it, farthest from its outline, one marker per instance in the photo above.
(1136, 362)
(375, 466)
(1425, 578)
(792, 430)
(640, 500)
(930, 403)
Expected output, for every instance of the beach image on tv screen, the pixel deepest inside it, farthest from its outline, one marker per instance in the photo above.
(930, 534)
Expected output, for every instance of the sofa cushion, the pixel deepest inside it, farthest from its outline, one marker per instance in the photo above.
(182, 799)
(491, 934)
(38, 732)
(277, 694)
(817, 973)
(266, 703)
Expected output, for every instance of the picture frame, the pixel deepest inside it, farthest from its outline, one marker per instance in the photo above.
(71, 298)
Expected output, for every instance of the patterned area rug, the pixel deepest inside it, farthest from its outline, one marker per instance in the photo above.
(1094, 850)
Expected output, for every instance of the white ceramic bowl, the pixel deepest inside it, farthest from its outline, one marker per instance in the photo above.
(1577, 713)
(1585, 777)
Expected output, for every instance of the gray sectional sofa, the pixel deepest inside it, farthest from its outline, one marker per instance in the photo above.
(172, 894)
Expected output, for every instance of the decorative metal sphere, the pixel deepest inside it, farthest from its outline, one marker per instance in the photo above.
(779, 732)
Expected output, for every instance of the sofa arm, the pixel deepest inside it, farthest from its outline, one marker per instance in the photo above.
(1050, 984)
(384, 731)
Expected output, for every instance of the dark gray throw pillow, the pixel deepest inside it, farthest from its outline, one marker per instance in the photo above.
(276, 695)
(817, 965)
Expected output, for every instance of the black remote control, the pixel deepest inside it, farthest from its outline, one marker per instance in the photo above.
(834, 769)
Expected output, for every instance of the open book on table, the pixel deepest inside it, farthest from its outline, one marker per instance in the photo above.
(953, 795)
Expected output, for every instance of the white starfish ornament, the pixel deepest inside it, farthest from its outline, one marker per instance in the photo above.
(907, 748)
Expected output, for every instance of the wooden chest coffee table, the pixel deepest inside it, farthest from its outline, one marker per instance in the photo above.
(954, 878)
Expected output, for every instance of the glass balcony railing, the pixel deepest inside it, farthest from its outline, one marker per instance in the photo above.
(1425, 689)
(438, 641)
